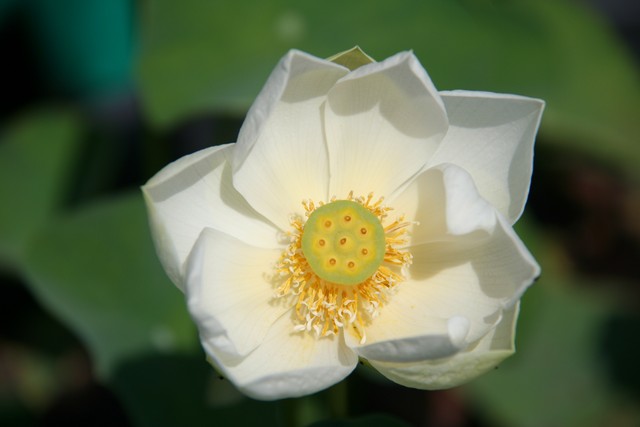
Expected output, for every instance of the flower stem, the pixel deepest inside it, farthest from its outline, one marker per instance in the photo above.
(338, 400)
(288, 413)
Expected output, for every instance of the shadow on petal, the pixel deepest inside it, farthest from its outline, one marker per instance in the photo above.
(401, 105)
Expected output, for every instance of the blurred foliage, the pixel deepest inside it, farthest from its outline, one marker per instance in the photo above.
(561, 348)
(87, 257)
(180, 390)
(96, 269)
(214, 56)
(37, 154)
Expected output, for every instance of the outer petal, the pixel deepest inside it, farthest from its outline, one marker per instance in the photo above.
(470, 277)
(491, 136)
(228, 293)
(288, 364)
(281, 157)
(382, 122)
(410, 335)
(443, 203)
(464, 283)
(195, 192)
(475, 360)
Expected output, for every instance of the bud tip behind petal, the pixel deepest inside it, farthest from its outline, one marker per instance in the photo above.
(352, 58)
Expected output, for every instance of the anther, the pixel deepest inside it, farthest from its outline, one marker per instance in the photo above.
(351, 264)
(343, 240)
(332, 261)
(365, 251)
(321, 242)
(327, 223)
(363, 230)
(347, 218)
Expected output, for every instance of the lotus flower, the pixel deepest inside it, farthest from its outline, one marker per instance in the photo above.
(361, 215)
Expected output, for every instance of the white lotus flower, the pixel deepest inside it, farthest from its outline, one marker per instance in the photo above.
(361, 215)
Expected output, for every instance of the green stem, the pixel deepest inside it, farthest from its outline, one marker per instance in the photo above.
(288, 413)
(339, 400)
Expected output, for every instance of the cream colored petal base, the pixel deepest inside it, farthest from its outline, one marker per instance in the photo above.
(229, 294)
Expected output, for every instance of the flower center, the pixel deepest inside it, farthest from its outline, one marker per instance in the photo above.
(343, 242)
(341, 264)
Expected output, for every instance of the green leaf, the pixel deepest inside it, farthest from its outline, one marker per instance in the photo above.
(97, 271)
(215, 56)
(37, 152)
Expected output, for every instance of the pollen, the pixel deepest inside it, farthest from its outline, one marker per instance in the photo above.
(342, 264)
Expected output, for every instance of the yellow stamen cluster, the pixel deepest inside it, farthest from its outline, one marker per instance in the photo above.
(323, 307)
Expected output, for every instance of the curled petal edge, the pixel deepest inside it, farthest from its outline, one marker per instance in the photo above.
(415, 348)
(475, 360)
(164, 243)
(492, 136)
(227, 295)
(287, 364)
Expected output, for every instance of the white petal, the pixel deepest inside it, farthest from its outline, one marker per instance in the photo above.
(454, 295)
(382, 122)
(477, 359)
(288, 364)
(443, 202)
(195, 192)
(400, 334)
(491, 136)
(228, 293)
(472, 267)
(281, 158)
(469, 277)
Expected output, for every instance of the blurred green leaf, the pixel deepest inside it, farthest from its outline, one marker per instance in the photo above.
(37, 152)
(215, 56)
(177, 390)
(367, 421)
(97, 271)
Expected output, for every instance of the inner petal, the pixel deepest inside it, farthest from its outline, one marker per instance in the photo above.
(442, 202)
(382, 122)
(282, 156)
